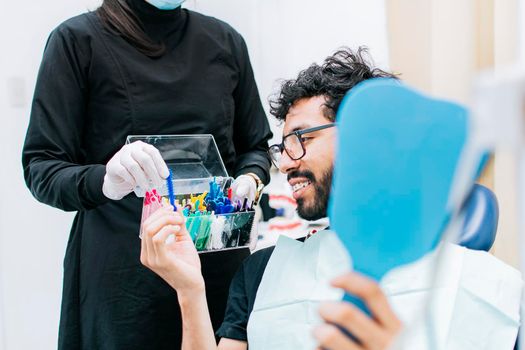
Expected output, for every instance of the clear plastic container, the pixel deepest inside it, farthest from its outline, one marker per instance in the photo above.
(219, 232)
(195, 161)
(211, 232)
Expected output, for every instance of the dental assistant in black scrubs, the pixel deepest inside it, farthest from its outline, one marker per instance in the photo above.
(134, 67)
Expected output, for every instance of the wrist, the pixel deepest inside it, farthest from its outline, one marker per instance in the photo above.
(191, 297)
(108, 191)
(192, 289)
(114, 190)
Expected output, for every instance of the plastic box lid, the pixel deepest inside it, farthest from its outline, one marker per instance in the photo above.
(193, 159)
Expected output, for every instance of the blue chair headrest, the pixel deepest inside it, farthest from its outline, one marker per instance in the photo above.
(481, 219)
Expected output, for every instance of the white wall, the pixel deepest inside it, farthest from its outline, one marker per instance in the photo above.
(32, 236)
(283, 37)
(286, 36)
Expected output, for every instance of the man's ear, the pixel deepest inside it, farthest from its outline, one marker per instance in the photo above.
(329, 111)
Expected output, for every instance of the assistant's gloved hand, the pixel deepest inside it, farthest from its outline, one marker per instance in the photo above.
(135, 164)
(243, 187)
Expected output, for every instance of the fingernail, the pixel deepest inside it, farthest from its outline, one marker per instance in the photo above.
(327, 307)
(319, 331)
(336, 280)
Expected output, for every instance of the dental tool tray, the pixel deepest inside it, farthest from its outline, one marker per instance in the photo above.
(194, 161)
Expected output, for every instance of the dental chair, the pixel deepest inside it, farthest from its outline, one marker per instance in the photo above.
(481, 221)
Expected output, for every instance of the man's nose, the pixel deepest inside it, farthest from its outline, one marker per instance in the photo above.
(287, 164)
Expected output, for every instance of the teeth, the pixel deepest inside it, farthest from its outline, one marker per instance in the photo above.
(300, 185)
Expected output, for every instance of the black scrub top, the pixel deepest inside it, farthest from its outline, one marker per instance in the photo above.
(242, 294)
(93, 89)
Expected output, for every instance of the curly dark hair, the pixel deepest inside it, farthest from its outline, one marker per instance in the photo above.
(338, 74)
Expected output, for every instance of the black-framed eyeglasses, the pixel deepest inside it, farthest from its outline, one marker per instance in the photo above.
(293, 144)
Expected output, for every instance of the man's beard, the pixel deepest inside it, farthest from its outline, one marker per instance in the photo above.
(322, 187)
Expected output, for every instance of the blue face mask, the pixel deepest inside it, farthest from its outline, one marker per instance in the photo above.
(166, 4)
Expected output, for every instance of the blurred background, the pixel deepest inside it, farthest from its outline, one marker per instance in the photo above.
(438, 46)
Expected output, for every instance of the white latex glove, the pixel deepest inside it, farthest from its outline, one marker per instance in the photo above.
(243, 187)
(135, 164)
